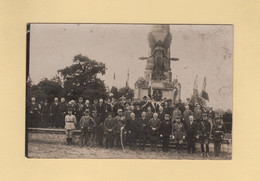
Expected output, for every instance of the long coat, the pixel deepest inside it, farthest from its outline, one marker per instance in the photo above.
(166, 127)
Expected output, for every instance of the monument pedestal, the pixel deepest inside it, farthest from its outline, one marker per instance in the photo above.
(157, 89)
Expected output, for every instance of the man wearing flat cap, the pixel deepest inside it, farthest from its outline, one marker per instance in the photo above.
(109, 130)
(203, 132)
(86, 124)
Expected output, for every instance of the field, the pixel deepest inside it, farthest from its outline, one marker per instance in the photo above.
(60, 150)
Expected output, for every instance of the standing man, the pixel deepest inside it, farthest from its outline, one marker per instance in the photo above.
(62, 112)
(120, 123)
(131, 131)
(109, 128)
(178, 132)
(137, 110)
(165, 132)
(85, 124)
(191, 131)
(204, 130)
(219, 132)
(176, 113)
(94, 106)
(197, 113)
(149, 113)
(161, 114)
(94, 132)
(70, 122)
(101, 110)
(142, 135)
(80, 108)
(154, 125)
(88, 106)
(186, 114)
(55, 113)
(33, 116)
(45, 113)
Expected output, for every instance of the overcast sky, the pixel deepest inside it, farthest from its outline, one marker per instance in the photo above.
(203, 50)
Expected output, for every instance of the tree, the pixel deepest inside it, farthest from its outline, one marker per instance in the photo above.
(80, 79)
(127, 92)
(115, 92)
(45, 89)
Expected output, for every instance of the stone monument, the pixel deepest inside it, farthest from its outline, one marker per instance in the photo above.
(157, 81)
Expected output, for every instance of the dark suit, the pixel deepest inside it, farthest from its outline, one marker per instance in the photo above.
(131, 128)
(142, 131)
(165, 131)
(55, 115)
(191, 130)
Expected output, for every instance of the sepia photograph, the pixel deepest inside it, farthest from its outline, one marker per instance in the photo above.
(129, 91)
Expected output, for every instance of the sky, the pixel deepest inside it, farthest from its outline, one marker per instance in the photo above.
(203, 50)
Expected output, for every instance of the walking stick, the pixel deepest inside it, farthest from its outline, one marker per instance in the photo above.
(121, 139)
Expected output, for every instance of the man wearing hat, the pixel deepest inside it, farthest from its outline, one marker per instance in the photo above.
(94, 130)
(203, 132)
(178, 133)
(70, 122)
(218, 132)
(165, 132)
(109, 130)
(86, 123)
(120, 122)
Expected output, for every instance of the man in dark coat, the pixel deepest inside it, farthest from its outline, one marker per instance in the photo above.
(101, 110)
(203, 131)
(85, 123)
(45, 114)
(109, 129)
(94, 130)
(191, 131)
(165, 132)
(80, 108)
(161, 113)
(142, 130)
(131, 131)
(62, 112)
(55, 113)
(137, 111)
(33, 113)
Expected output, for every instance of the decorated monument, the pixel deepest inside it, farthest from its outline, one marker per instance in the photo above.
(157, 81)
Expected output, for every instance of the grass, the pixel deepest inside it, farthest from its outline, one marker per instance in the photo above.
(50, 150)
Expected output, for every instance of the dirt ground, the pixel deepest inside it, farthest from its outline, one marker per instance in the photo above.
(50, 150)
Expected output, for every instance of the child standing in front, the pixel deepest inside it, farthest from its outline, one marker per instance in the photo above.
(70, 122)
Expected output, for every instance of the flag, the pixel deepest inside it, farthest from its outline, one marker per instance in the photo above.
(204, 93)
(127, 81)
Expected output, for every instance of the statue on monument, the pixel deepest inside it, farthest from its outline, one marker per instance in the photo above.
(159, 51)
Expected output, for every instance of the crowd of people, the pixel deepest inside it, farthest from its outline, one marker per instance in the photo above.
(133, 122)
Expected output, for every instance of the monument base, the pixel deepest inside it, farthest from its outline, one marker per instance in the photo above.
(165, 93)
(157, 89)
